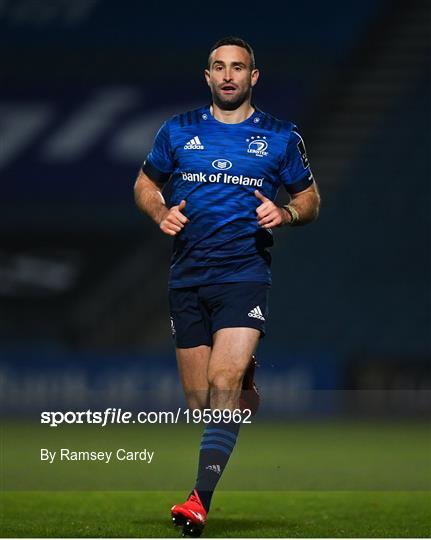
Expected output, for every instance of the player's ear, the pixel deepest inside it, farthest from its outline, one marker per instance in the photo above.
(207, 76)
(254, 76)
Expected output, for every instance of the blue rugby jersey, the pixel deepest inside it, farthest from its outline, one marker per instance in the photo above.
(216, 167)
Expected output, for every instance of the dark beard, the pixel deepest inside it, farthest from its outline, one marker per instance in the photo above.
(231, 105)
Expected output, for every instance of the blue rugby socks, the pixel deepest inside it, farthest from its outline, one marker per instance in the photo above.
(218, 441)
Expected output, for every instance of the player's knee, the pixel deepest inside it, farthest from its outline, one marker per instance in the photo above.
(197, 400)
(225, 380)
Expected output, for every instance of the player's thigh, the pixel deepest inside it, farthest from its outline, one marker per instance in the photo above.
(191, 332)
(238, 314)
(230, 355)
(193, 368)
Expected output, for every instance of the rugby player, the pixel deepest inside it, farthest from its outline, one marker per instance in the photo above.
(226, 162)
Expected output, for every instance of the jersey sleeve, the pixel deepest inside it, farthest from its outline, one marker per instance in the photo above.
(295, 172)
(159, 164)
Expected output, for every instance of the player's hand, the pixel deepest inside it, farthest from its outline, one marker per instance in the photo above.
(269, 215)
(174, 221)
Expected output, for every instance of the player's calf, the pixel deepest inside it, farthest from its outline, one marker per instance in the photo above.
(250, 396)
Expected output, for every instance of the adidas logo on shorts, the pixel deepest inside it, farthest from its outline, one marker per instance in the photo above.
(256, 313)
(194, 144)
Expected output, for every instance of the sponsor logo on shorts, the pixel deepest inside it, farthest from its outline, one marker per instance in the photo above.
(256, 313)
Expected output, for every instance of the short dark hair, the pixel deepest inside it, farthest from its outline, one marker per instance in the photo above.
(233, 40)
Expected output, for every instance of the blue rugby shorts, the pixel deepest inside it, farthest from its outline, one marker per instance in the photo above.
(198, 312)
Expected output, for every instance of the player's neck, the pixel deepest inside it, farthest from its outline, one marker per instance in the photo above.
(243, 112)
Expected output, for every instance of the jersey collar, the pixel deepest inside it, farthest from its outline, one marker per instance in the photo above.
(255, 118)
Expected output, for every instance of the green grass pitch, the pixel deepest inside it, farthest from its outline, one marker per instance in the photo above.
(338, 479)
(234, 514)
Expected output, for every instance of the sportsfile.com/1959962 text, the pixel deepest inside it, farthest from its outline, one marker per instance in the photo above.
(113, 415)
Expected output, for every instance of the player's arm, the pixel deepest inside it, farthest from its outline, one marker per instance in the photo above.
(303, 208)
(297, 178)
(149, 199)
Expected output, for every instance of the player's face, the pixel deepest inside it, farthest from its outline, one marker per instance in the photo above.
(230, 76)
